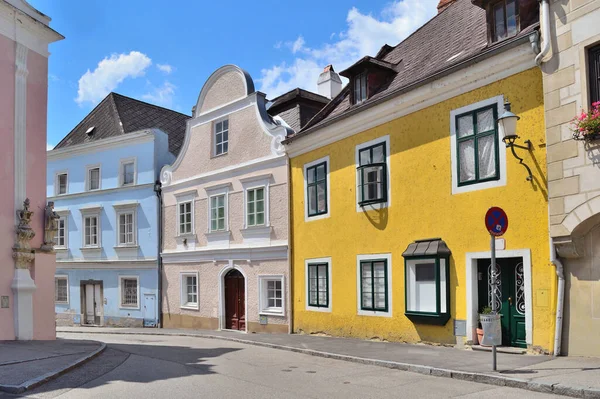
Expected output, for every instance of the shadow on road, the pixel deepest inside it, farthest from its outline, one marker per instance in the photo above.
(134, 363)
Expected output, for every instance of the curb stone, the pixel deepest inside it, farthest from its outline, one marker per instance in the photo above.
(37, 381)
(557, 389)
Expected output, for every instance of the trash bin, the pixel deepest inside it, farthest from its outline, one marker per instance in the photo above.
(492, 330)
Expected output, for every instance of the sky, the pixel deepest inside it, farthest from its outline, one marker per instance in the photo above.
(162, 52)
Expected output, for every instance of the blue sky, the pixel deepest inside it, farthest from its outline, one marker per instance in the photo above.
(162, 52)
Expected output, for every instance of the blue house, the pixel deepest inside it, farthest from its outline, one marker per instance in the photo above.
(102, 179)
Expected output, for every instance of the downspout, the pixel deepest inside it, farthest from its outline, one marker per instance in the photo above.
(158, 191)
(560, 297)
(545, 28)
(290, 243)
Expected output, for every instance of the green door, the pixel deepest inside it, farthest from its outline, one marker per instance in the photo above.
(509, 296)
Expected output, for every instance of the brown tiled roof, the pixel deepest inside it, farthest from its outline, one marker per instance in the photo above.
(117, 115)
(456, 34)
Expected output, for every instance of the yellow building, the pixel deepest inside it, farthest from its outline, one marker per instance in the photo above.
(392, 179)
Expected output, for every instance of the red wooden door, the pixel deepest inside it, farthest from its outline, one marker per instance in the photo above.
(235, 304)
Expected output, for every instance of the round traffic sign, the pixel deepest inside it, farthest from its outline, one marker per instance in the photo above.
(496, 221)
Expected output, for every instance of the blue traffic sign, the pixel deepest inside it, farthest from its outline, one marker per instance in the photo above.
(496, 221)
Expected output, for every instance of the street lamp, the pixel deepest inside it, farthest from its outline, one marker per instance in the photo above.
(507, 124)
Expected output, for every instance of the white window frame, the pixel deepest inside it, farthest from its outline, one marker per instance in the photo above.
(388, 258)
(214, 135)
(57, 182)
(410, 290)
(91, 212)
(137, 279)
(499, 101)
(122, 209)
(88, 169)
(305, 175)
(182, 198)
(263, 300)
(251, 183)
(184, 304)
(215, 191)
(383, 139)
(312, 261)
(225, 224)
(61, 277)
(63, 218)
(122, 164)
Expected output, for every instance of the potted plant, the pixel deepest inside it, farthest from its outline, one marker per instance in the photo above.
(586, 126)
(484, 310)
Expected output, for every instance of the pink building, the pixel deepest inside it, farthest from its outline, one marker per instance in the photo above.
(27, 259)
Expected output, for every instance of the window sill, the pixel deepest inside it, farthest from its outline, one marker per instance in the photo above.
(133, 246)
(267, 312)
(61, 303)
(129, 307)
(91, 249)
(61, 249)
(438, 319)
(189, 307)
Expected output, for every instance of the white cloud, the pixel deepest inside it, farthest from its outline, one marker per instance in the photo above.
(110, 72)
(49, 146)
(298, 44)
(162, 95)
(166, 68)
(365, 34)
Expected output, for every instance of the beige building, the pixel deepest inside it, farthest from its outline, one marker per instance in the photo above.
(225, 213)
(571, 83)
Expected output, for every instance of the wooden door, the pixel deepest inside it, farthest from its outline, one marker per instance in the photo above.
(235, 303)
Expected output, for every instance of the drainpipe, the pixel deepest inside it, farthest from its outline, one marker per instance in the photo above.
(290, 241)
(158, 191)
(545, 28)
(560, 297)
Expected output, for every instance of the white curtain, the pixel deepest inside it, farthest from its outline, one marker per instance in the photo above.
(487, 159)
(466, 150)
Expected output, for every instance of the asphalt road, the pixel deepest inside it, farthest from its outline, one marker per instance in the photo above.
(136, 366)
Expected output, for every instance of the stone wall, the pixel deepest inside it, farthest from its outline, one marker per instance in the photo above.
(573, 166)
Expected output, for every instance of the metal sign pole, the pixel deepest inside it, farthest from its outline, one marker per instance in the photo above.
(493, 271)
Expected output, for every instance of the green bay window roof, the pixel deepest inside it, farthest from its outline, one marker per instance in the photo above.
(427, 247)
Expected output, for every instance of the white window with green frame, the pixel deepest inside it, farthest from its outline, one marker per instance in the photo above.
(427, 281)
(374, 285)
(478, 155)
(373, 174)
(221, 137)
(255, 206)
(218, 210)
(318, 284)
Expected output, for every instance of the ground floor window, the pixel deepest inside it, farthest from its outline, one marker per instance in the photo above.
(318, 285)
(427, 283)
(373, 285)
(271, 295)
(129, 292)
(61, 289)
(189, 290)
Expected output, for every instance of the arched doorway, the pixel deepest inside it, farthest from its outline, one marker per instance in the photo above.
(235, 301)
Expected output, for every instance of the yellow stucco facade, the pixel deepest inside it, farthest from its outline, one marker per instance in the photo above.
(423, 206)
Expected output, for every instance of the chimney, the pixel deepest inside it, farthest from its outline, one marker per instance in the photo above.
(443, 4)
(329, 83)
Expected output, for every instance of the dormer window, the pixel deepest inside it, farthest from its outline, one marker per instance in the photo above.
(504, 19)
(360, 88)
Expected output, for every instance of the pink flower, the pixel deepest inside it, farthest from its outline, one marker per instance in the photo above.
(596, 104)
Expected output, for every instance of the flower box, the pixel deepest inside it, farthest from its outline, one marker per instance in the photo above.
(586, 126)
